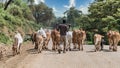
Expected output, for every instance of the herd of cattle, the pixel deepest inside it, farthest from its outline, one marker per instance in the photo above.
(42, 37)
(75, 37)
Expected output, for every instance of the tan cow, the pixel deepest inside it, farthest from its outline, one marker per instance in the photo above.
(55, 35)
(48, 34)
(79, 37)
(97, 41)
(113, 38)
(38, 40)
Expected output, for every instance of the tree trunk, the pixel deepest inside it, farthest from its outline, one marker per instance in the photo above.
(7, 4)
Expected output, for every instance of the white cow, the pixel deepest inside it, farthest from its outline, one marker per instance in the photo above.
(42, 32)
(69, 39)
(20, 40)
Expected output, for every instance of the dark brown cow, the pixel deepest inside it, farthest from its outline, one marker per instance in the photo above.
(113, 38)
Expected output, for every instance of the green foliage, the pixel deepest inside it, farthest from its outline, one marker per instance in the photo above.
(17, 16)
(72, 14)
(3, 38)
(42, 14)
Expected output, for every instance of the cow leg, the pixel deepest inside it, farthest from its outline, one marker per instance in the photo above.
(111, 45)
(75, 46)
(79, 46)
(13, 50)
(36, 46)
(43, 47)
(69, 45)
(99, 46)
(59, 48)
(46, 46)
(96, 47)
(53, 47)
(18, 51)
(40, 48)
(1, 55)
(115, 46)
(82, 45)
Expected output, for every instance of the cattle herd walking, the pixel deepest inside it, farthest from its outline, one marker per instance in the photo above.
(42, 37)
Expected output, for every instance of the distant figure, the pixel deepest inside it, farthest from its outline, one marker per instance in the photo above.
(63, 28)
(19, 41)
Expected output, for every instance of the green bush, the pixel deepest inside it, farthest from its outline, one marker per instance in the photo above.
(3, 38)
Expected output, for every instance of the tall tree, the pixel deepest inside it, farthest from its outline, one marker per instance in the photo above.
(72, 13)
(105, 14)
(42, 13)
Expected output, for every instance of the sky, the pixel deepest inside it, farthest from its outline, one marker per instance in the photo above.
(60, 6)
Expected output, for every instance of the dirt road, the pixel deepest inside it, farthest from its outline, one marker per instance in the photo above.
(73, 59)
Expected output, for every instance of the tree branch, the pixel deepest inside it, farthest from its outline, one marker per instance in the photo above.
(7, 4)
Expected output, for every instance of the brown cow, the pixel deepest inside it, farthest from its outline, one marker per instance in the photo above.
(74, 39)
(33, 39)
(14, 47)
(38, 40)
(79, 37)
(46, 41)
(55, 35)
(113, 38)
(97, 41)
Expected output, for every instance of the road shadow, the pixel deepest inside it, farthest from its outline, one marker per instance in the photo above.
(35, 51)
(90, 51)
(9, 54)
(106, 50)
(32, 51)
(75, 50)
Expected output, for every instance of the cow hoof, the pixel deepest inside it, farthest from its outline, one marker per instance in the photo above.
(69, 49)
(59, 51)
(53, 49)
(79, 49)
(39, 52)
(64, 51)
(18, 53)
(74, 48)
(114, 50)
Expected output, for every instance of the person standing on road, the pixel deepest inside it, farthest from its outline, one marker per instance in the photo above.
(63, 28)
